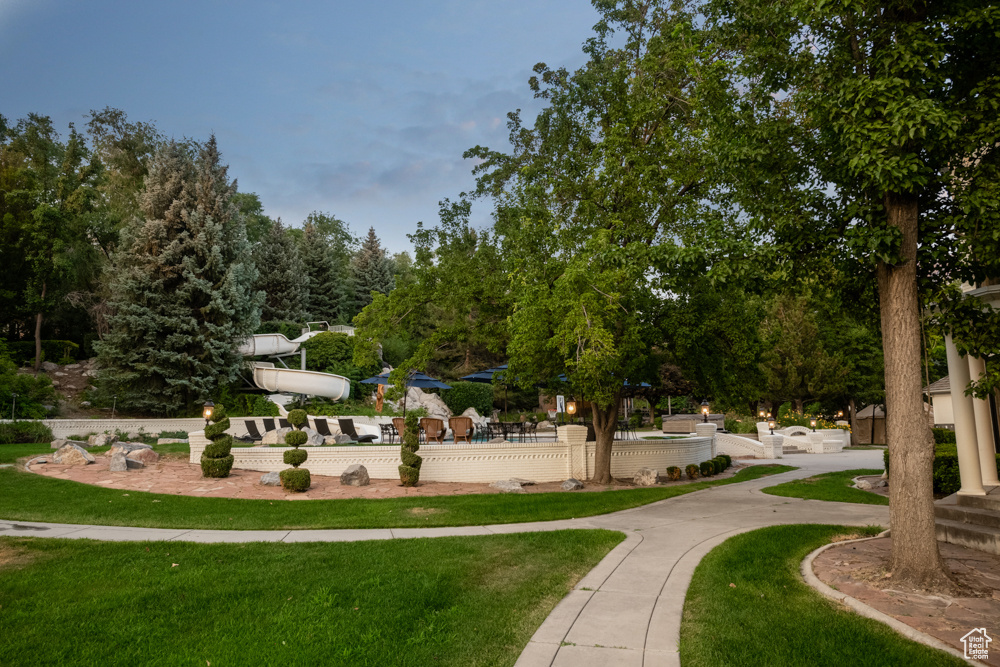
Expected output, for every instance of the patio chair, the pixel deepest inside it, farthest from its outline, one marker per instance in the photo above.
(253, 435)
(269, 425)
(531, 431)
(283, 423)
(400, 425)
(322, 427)
(388, 433)
(433, 429)
(347, 428)
(461, 428)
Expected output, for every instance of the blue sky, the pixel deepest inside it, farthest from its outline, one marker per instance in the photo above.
(358, 109)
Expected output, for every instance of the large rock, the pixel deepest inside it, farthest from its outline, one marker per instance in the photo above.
(144, 456)
(645, 476)
(315, 439)
(355, 475)
(171, 441)
(571, 484)
(62, 442)
(118, 462)
(522, 482)
(507, 486)
(275, 437)
(270, 479)
(544, 424)
(338, 439)
(48, 366)
(126, 447)
(102, 439)
(864, 484)
(73, 455)
(476, 418)
(131, 464)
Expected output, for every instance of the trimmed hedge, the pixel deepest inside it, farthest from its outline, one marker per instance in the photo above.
(943, 436)
(673, 473)
(295, 479)
(707, 469)
(295, 457)
(947, 479)
(296, 438)
(465, 395)
(15, 433)
(692, 471)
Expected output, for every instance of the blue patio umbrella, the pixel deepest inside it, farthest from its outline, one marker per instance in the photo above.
(487, 376)
(413, 379)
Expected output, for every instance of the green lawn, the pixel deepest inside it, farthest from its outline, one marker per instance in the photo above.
(747, 605)
(30, 497)
(833, 486)
(443, 601)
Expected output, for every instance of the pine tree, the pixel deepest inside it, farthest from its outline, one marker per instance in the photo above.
(181, 292)
(324, 282)
(280, 276)
(372, 271)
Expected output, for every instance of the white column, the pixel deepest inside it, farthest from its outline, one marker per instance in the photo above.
(707, 430)
(984, 428)
(965, 423)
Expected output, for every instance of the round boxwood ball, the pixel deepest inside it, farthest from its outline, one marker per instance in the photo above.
(707, 469)
(298, 418)
(296, 457)
(296, 438)
(692, 471)
(295, 479)
(216, 467)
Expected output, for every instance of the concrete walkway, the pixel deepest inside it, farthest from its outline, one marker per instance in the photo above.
(627, 610)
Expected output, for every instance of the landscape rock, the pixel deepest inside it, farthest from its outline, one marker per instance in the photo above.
(315, 439)
(59, 443)
(355, 475)
(126, 447)
(145, 456)
(275, 437)
(522, 482)
(171, 441)
(131, 464)
(60, 374)
(507, 486)
(118, 462)
(89, 374)
(73, 455)
(864, 484)
(85, 404)
(645, 476)
(881, 484)
(477, 419)
(102, 439)
(48, 366)
(496, 441)
(71, 366)
(571, 484)
(270, 479)
(545, 423)
(339, 439)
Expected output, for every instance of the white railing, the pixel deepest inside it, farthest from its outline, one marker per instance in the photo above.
(736, 445)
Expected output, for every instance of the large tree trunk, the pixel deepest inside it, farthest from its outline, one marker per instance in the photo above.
(605, 425)
(38, 335)
(915, 557)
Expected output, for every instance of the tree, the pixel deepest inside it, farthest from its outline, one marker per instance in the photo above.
(325, 285)
(280, 276)
(842, 125)
(182, 290)
(372, 270)
(251, 209)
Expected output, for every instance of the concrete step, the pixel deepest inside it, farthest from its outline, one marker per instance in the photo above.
(991, 501)
(786, 449)
(978, 517)
(980, 538)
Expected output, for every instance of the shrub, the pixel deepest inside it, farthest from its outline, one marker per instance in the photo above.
(465, 395)
(298, 419)
(296, 457)
(943, 436)
(409, 471)
(947, 479)
(33, 393)
(295, 479)
(673, 473)
(23, 352)
(692, 471)
(727, 458)
(707, 469)
(289, 329)
(216, 461)
(13, 433)
(296, 438)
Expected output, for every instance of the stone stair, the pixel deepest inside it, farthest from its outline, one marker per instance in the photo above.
(792, 449)
(970, 521)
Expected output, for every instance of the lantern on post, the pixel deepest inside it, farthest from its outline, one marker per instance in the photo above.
(770, 425)
(812, 422)
(207, 411)
(704, 411)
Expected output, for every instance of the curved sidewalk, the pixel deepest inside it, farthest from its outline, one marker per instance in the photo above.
(627, 610)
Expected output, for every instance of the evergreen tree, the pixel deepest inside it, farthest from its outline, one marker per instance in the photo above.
(372, 271)
(181, 293)
(280, 276)
(325, 284)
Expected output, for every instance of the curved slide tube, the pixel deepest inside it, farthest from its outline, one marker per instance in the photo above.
(287, 380)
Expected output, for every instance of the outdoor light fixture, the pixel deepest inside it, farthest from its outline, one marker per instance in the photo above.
(114, 405)
(207, 411)
(571, 408)
(704, 410)
(762, 414)
(770, 425)
(812, 422)
(14, 403)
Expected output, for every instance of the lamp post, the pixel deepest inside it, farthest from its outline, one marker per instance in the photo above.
(770, 425)
(762, 414)
(13, 404)
(114, 404)
(704, 411)
(812, 422)
(207, 411)
(571, 410)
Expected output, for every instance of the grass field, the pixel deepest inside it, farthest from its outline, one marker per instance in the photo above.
(831, 486)
(747, 605)
(30, 497)
(442, 601)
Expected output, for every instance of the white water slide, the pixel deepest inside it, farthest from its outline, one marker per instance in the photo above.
(289, 380)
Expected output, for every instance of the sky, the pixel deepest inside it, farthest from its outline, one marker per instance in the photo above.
(362, 110)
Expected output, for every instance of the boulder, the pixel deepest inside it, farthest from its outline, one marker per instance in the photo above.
(171, 441)
(864, 484)
(645, 476)
(476, 418)
(881, 484)
(62, 442)
(315, 439)
(48, 366)
(126, 447)
(496, 441)
(73, 455)
(507, 486)
(102, 439)
(71, 366)
(145, 456)
(275, 437)
(355, 475)
(338, 439)
(522, 482)
(85, 404)
(132, 464)
(544, 424)
(118, 462)
(270, 479)
(571, 484)
(89, 374)
(436, 407)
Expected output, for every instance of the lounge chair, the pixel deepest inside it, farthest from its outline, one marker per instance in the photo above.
(347, 428)
(322, 427)
(253, 435)
(433, 429)
(461, 428)
(283, 423)
(269, 425)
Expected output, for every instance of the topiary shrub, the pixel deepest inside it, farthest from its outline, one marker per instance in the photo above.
(720, 464)
(409, 471)
(728, 459)
(465, 395)
(295, 478)
(692, 471)
(673, 473)
(216, 461)
(707, 469)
